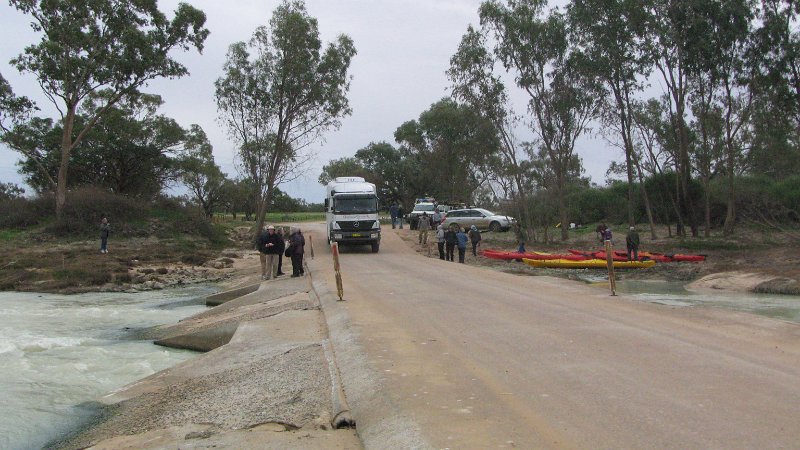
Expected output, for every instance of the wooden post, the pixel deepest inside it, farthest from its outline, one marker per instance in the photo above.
(339, 288)
(311, 241)
(612, 282)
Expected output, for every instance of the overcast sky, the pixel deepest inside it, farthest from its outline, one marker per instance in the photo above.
(404, 48)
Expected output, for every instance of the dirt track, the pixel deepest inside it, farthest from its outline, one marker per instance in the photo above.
(475, 358)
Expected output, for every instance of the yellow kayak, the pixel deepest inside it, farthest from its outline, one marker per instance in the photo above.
(587, 264)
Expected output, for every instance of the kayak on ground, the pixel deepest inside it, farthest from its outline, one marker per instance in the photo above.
(505, 255)
(643, 256)
(587, 264)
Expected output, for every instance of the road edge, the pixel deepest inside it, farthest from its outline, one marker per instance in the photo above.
(379, 421)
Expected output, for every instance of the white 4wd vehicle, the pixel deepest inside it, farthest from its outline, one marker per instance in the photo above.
(422, 207)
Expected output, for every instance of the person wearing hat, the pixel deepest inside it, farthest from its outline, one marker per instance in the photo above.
(632, 242)
(475, 239)
(268, 248)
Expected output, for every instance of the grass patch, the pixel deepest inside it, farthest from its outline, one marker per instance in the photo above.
(82, 277)
(10, 235)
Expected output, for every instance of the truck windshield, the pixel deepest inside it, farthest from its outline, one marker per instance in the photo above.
(355, 205)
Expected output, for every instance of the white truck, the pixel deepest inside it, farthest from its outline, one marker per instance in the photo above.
(351, 212)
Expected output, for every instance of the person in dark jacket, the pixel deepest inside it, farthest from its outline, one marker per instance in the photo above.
(450, 241)
(632, 243)
(462, 244)
(400, 214)
(105, 229)
(475, 239)
(297, 243)
(393, 213)
(281, 248)
(268, 244)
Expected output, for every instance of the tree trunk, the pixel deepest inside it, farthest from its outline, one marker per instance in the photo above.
(646, 199)
(707, 201)
(730, 216)
(66, 150)
(562, 209)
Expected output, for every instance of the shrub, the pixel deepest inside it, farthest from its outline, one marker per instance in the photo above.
(23, 212)
(86, 206)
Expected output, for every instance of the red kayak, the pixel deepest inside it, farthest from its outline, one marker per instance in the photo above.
(643, 256)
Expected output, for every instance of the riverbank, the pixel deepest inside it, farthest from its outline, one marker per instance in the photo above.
(266, 380)
(766, 263)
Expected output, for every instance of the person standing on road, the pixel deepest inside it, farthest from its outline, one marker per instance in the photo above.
(632, 243)
(268, 252)
(450, 240)
(437, 217)
(105, 230)
(423, 225)
(393, 214)
(400, 214)
(281, 248)
(462, 244)
(440, 240)
(297, 243)
(475, 239)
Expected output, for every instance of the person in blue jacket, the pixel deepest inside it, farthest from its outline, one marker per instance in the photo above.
(462, 244)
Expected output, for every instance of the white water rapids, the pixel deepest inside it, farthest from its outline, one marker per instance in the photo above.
(58, 351)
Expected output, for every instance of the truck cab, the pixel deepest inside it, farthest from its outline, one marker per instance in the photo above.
(351, 212)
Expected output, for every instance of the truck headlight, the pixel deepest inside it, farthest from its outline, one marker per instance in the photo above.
(337, 236)
(374, 236)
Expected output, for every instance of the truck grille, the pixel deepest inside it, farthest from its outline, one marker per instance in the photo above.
(355, 225)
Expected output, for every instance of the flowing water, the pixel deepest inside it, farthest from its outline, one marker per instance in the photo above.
(59, 351)
(673, 293)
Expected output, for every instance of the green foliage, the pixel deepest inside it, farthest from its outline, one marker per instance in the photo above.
(113, 45)
(283, 96)
(132, 150)
(445, 150)
(10, 191)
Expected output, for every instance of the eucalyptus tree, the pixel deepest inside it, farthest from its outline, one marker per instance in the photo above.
(348, 166)
(13, 109)
(775, 54)
(451, 143)
(668, 35)
(200, 174)
(610, 36)
(115, 45)
(535, 45)
(130, 151)
(474, 82)
(280, 93)
(721, 78)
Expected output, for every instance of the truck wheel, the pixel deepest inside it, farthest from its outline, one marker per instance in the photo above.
(494, 227)
(375, 247)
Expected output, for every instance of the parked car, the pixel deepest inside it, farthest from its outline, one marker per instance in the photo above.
(481, 218)
(419, 208)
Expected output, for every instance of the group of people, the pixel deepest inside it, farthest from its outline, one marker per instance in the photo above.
(273, 246)
(447, 240)
(631, 240)
(396, 213)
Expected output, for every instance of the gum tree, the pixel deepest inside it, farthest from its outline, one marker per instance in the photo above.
(280, 93)
(533, 43)
(87, 46)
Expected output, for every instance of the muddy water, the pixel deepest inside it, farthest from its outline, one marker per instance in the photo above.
(673, 293)
(59, 351)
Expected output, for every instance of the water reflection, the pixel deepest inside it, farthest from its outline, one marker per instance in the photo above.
(673, 293)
